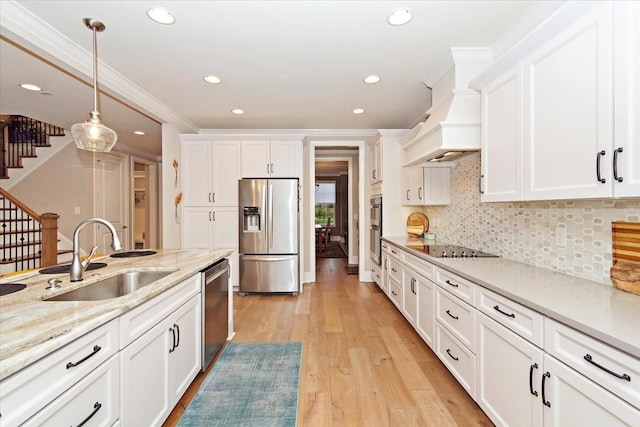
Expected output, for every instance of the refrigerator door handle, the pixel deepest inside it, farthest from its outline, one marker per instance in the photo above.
(270, 237)
(269, 258)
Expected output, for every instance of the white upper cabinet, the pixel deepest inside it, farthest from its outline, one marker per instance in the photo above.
(626, 154)
(502, 104)
(376, 161)
(567, 119)
(210, 172)
(271, 159)
(425, 186)
(563, 122)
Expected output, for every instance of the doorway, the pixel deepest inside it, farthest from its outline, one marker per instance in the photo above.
(144, 216)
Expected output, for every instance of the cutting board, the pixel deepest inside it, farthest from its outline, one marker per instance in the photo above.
(625, 272)
(417, 224)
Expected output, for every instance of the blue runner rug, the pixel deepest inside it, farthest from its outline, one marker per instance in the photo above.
(250, 385)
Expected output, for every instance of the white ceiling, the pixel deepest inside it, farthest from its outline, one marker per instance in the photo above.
(288, 64)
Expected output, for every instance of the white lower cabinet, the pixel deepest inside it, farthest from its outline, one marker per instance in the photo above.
(159, 366)
(94, 401)
(425, 320)
(570, 399)
(508, 375)
(410, 295)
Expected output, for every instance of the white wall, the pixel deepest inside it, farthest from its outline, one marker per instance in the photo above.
(171, 229)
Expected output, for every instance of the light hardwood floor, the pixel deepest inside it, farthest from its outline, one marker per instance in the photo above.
(363, 364)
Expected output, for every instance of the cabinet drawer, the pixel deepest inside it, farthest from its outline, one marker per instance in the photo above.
(574, 348)
(395, 293)
(462, 288)
(394, 251)
(376, 274)
(29, 390)
(96, 398)
(520, 319)
(458, 317)
(458, 359)
(136, 322)
(419, 265)
(395, 269)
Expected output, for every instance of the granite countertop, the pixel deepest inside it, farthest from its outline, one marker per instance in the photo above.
(594, 308)
(31, 328)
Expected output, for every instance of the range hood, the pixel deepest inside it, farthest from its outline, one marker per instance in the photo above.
(452, 126)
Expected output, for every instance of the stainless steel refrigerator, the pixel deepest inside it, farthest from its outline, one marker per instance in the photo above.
(268, 235)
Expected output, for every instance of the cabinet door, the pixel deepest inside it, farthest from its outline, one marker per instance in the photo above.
(412, 190)
(376, 161)
(285, 159)
(573, 400)
(502, 162)
(256, 159)
(435, 186)
(425, 321)
(568, 120)
(225, 170)
(508, 370)
(197, 228)
(196, 172)
(384, 279)
(409, 295)
(627, 99)
(225, 228)
(145, 378)
(185, 352)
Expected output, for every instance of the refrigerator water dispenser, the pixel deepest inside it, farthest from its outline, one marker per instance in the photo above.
(251, 221)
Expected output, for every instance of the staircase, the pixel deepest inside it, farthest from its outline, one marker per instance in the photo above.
(20, 136)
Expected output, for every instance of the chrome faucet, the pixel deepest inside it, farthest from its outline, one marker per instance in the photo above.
(77, 266)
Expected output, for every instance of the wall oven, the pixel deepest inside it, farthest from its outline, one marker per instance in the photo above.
(375, 232)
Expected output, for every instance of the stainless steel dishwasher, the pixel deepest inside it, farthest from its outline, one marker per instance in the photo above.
(215, 310)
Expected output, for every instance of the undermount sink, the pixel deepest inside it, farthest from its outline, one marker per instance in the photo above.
(112, 287)
(132, 254)
(9, 288)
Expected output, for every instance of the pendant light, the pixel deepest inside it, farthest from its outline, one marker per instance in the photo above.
(92, 135)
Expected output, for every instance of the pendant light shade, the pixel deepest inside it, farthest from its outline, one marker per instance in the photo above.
(92, 135)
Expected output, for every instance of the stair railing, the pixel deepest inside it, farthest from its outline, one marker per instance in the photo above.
(28, 239)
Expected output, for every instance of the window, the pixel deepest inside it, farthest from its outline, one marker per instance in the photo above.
(325, 202)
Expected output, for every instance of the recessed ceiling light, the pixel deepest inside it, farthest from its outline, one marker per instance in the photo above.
(400, 17)
(139, 132)
(237, 111)
(372, 79)
(212, 79)
(358, 111)
(161, 15)
(29, 86)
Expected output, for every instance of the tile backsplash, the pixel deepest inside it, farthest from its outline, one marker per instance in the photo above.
(526, 231)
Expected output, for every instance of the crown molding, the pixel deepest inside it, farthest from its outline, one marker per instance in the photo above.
(35, 34)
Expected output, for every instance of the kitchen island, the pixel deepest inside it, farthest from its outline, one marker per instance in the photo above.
(31, 328)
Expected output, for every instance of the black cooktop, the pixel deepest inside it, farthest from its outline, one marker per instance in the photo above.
(454, 251)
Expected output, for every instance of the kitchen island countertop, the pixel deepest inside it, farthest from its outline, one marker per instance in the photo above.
(597, 309)
(31, 328)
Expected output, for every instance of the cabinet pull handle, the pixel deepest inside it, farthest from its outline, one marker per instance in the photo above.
(178, 334)
(531, 390)
(452, 356)
(173, 340)
(451, 284)
(480, 184)
(209, 216)
(214, 197)
(589, 359)
(599, 178)
(96, 349)
(394, 269)
(452, 316)
(394, 293)
(394, 252)
(544, 379)
(420, 193)
(271, 167)
(214, 215)
(96, 408)
(408, 195)
(615, 164)
(497, 308)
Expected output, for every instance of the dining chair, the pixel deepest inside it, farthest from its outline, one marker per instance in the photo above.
(326, 234)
